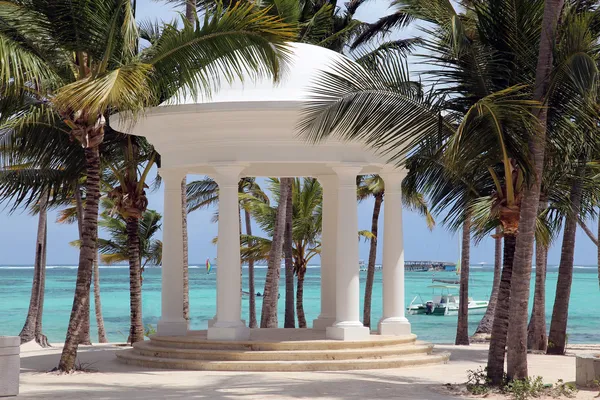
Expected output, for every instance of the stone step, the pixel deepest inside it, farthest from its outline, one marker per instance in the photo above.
(150, 349)
(131, 357)
(200, 342)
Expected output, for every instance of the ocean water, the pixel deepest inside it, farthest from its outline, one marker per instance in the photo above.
(15, 290)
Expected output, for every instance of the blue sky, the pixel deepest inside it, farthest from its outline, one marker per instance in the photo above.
(18, 230)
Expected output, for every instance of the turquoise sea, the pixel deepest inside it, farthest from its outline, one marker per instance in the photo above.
(15, 288)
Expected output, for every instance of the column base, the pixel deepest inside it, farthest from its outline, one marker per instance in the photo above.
(172, 327)
(322, 323)
(228, 331)
(394, 326)
(347, 331)
(212, 321)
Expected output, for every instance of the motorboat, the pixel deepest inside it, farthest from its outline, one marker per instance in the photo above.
(444, 303)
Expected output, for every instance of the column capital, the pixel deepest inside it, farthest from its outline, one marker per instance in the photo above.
(228, 174)
(172, 174)
(347, 173)
(392, 178)
(328, 180)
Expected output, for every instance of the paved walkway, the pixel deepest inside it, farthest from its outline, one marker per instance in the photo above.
(113, 380)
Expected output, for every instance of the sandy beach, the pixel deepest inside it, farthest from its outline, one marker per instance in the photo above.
(110, 379)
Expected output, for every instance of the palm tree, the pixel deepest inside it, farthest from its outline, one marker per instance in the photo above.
(517, 336)
(116, 249)
(81, 59)
(290, 315)
(128, 170)
(268, 318)
(71, 215)
(371, 185)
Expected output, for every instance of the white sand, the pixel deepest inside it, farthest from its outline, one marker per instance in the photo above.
(113, 380)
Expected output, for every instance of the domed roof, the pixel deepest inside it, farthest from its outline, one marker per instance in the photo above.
(305, 62)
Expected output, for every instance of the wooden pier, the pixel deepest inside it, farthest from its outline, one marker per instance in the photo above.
(424, 266)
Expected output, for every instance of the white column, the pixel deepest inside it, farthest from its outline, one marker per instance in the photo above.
(328, 252)
(393, 321)
(171, 322)
(347, 323)
(228, 324)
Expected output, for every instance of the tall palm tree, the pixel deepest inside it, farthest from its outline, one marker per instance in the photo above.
(116, 249)
(268, 318)
(371, 185)
(81, 58)
(128, 167)
(290, 312)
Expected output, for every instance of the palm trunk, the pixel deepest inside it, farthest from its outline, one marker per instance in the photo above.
(28, 333)
(190, 10)
(84, 333)
(40, 338)
(300, 297)
(537, 339)
(98, 304)
(87, 254)
(462, 327)
(598, 250)
(268, 317)
(251, 288)
(495, 366)
(372, 258)
(557, 339)
(186, 271)
(290, 317)
(519, 296)
(136, 330)
(485, 325)
(536, 331)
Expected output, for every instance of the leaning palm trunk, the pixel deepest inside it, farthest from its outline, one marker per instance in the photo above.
(557, 339)
(519, 296)
(372, 258)
(300, 297)
(40, 338)
(268, 317)
(186, 272)
(98, 304)
(252, 301)
(290, 317)
(495, 365)
(87, 253)
(462, 327)
(485, 325)
(136, 330)
(536, 331)
(32, 329)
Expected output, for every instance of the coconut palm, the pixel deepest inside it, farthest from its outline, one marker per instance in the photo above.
(81, 58)
(128, 170)
(371, 185)
(117, 248)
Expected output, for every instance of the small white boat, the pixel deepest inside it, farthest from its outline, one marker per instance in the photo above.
(445, 303)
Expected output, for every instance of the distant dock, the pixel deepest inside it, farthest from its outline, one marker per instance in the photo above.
(425, 266)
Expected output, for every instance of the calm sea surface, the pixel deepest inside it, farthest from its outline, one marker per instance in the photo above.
(15, 289)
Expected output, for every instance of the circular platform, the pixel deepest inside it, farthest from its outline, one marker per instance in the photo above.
(280, 350)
